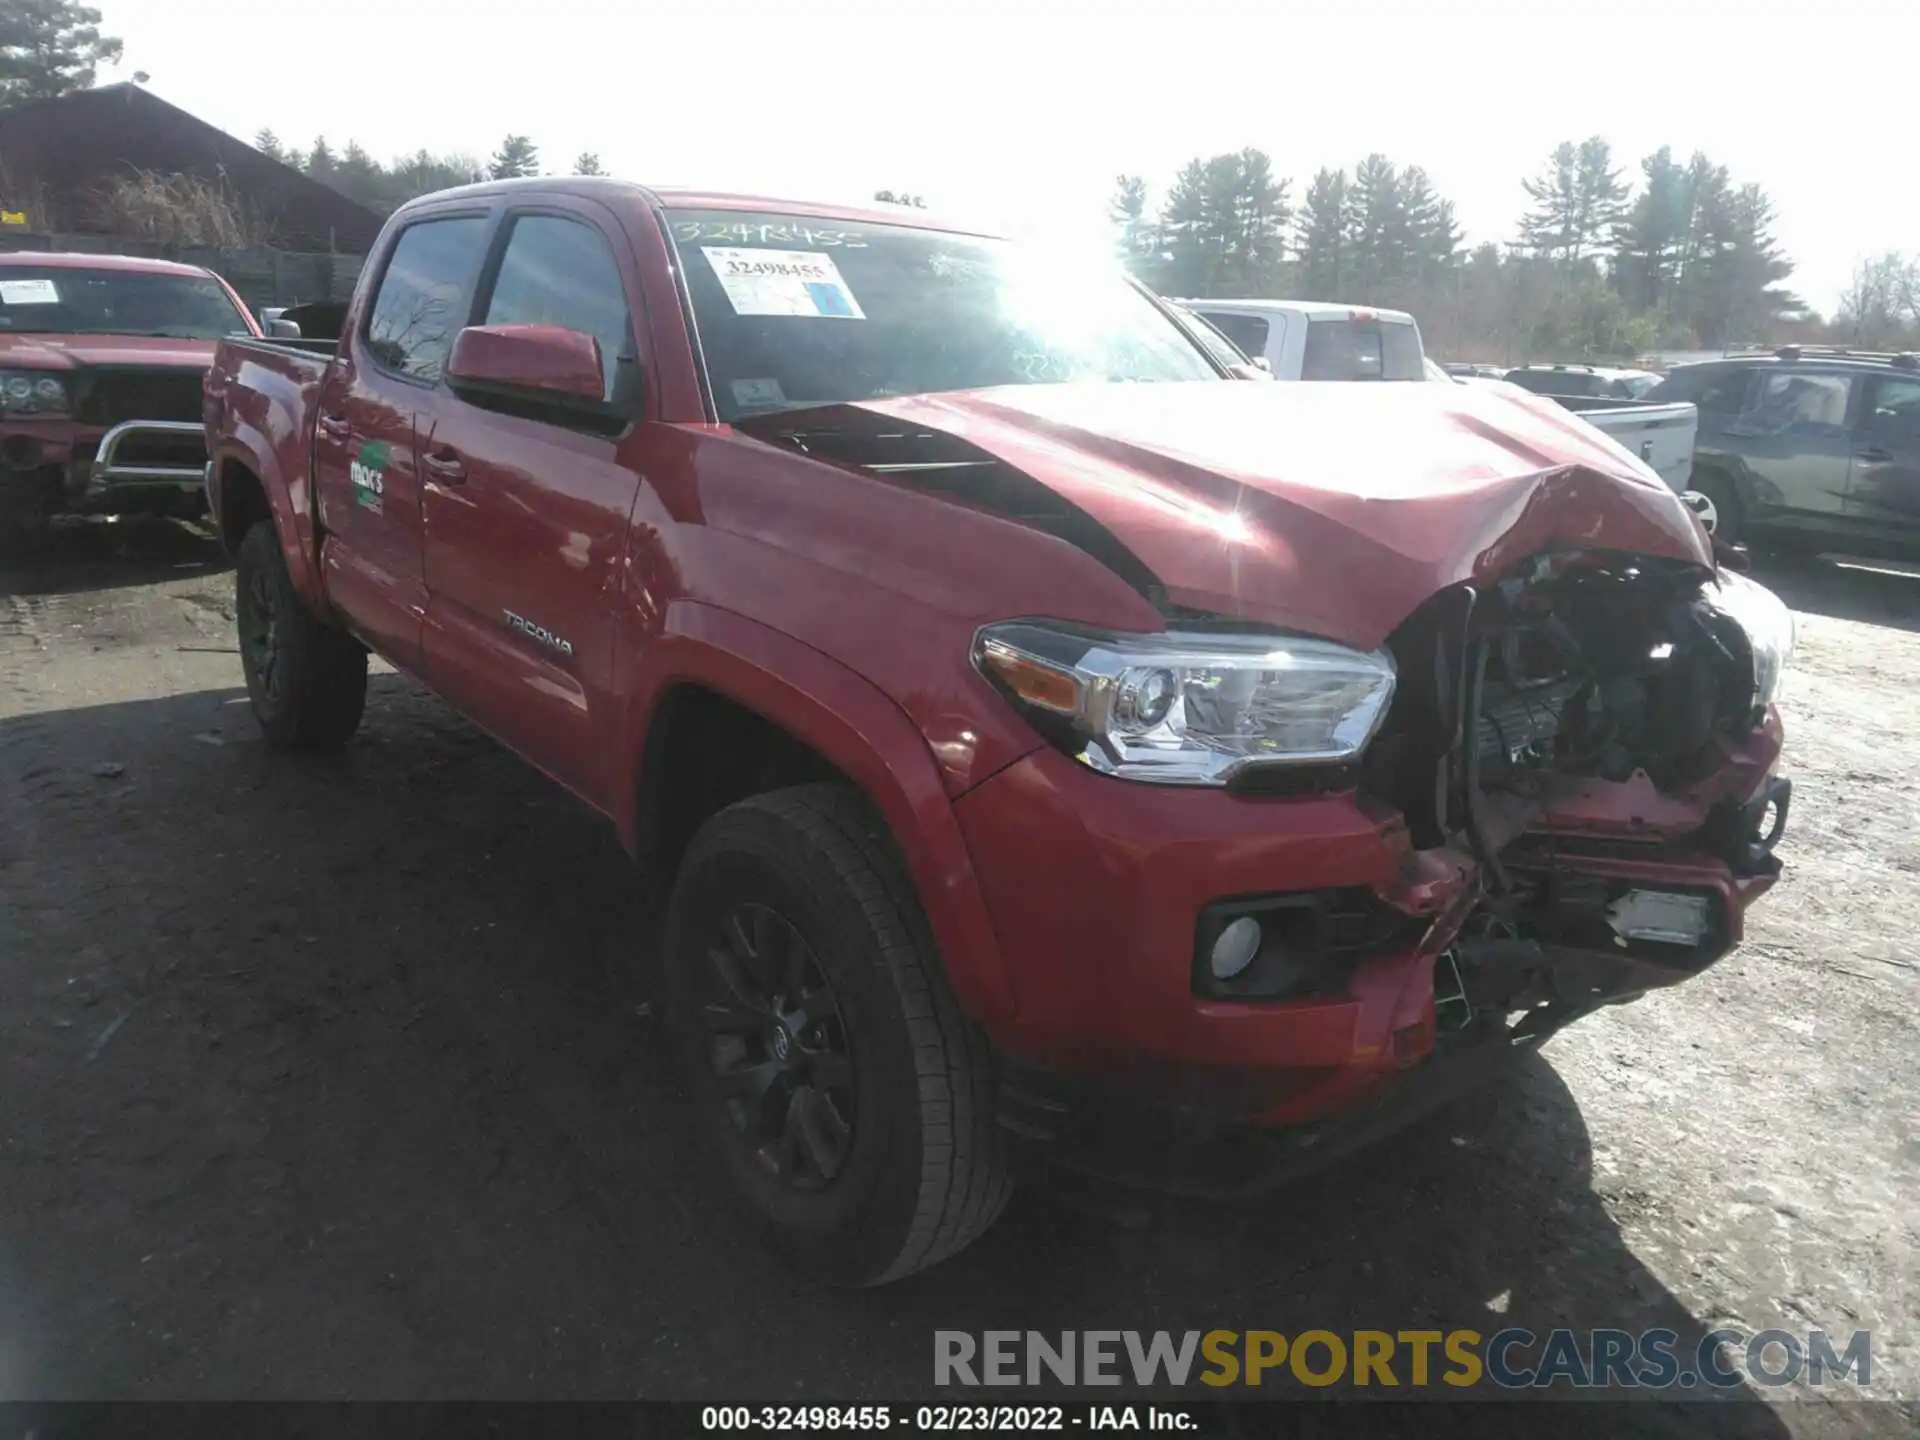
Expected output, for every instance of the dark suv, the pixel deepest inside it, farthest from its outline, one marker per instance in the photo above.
(1813, 443)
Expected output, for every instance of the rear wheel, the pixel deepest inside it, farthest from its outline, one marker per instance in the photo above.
(848, 1098)
(307, 681)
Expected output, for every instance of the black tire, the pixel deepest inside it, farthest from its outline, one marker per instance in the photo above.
(893, 1074)
(307, 680)
(1730, 524)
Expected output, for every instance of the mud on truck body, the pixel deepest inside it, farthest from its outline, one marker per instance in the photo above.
(102, 361)
(1057, 752)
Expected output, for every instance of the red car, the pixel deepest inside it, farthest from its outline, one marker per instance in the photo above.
(1060, 753)
(102, 358)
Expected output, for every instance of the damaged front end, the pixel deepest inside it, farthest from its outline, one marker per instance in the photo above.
(1399, 757)
(1582, 753)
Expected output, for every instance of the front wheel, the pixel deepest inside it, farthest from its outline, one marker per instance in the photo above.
(1713, 498)
(307, 681)
(850, 1101)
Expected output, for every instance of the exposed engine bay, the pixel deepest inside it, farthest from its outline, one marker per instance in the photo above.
(1583, 665)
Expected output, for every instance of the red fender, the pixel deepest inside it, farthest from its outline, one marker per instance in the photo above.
(247, 447)
(857, 729)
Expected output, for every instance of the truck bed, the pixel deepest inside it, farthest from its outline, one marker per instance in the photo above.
(266, 388)
(1660, 435)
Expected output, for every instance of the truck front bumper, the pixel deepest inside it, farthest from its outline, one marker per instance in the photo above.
(1098, 890)
(134, 465)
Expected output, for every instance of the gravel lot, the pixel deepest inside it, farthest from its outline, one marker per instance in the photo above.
(330, 1078)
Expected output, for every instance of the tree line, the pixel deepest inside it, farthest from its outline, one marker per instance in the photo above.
(385, 187)
(1684, 257)
(1679, 256)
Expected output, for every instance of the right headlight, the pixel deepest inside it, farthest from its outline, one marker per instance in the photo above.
(32, 392)
(1768, 625)
(1191, 709)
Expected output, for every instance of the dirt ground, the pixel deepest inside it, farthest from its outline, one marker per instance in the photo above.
(329, 1078)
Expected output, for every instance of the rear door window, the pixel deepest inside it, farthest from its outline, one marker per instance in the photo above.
(1249, 332)
(422, 300)
(1893, 413)
(1362, 350)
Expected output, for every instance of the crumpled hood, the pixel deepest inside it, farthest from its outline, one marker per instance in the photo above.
(1327, 508)
(70, 352)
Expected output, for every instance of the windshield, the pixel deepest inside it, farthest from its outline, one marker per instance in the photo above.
(796, 311)
(67, 301)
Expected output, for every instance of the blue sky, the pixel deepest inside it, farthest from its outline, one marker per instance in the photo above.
(1026, 112)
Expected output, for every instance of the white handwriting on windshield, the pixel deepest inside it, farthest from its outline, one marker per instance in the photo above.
(743, 233)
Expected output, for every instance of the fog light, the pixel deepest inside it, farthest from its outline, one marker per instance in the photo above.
(1235, 948)
(1661, 916)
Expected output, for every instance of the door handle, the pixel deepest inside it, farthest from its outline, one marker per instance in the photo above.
(334, 425)
(447, 468)
(1873, 454)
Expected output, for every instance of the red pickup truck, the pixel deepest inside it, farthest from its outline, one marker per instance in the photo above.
(1059, 751)
(101, 363)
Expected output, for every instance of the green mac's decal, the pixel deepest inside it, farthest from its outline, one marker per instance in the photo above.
(369, 475)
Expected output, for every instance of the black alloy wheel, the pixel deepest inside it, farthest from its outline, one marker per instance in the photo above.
(259, 622)
(777, 1046)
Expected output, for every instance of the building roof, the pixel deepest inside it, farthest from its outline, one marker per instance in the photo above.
(65, 148)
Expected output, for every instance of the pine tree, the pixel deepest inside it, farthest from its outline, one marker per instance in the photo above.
(1128, 213)
(268, 143)
(516, 157)
(1252, 211)
(1647, 241)
(50, 48)
(321, 163)
(1320, 236)
(1432, 234)
(1600, 197)
(1548, 228)
(1376, 227)
(1578, 200)
(1192, 255)
(587, 163)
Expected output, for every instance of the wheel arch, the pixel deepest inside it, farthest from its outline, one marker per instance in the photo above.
(247, 485)
(822, 721)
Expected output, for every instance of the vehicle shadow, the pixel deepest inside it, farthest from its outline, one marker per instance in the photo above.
(339, 1078)
(82, 556)
(1866, 591)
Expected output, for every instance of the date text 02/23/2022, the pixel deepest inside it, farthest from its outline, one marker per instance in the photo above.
(944, 1418)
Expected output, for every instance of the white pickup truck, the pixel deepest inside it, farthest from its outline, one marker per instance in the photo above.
(1661, 435)
(1312, 340)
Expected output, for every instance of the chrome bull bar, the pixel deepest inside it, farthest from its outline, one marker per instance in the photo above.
(107, 473)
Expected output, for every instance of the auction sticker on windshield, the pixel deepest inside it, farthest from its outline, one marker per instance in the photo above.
(29, 292)
(783, 282)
